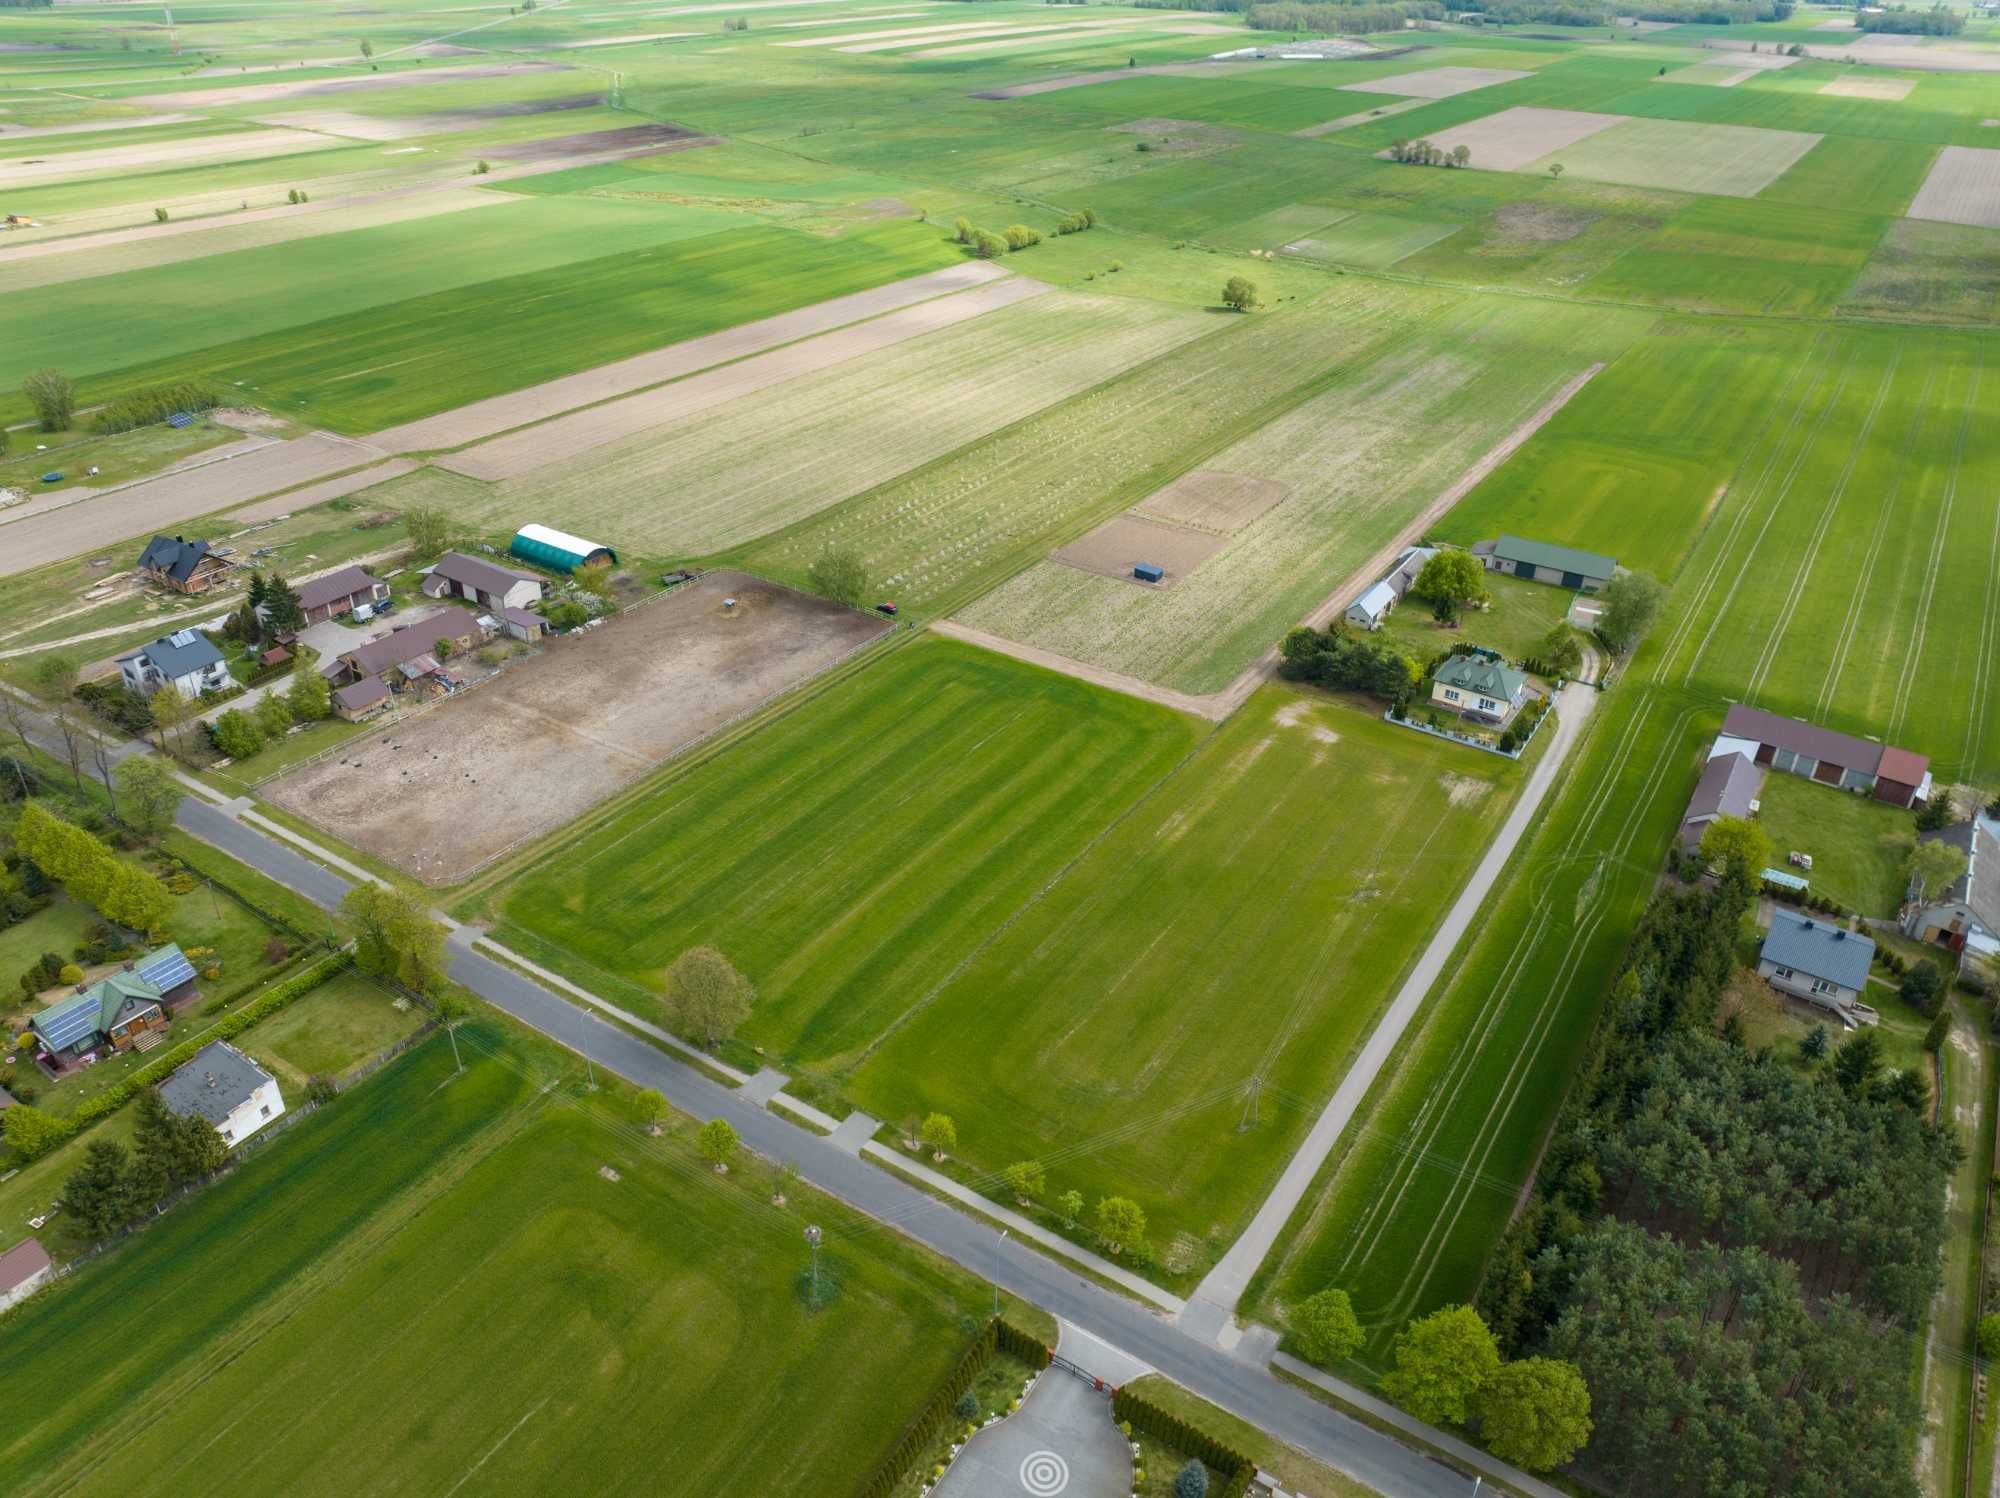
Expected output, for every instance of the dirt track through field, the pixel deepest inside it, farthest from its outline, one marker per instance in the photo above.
(441, 794)
(320, 88)
(93, 127)
(117, 515)
(568, 437)
(502, 413)
(239, 145)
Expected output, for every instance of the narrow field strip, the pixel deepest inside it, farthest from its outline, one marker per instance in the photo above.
(246, 145)
(502, 413)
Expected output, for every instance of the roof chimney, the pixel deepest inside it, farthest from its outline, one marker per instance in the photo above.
(209, 1077)
(129, 964)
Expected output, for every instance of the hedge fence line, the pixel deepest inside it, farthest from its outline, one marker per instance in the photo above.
(939, 1411)
(1186, 1438)
(262, 1007)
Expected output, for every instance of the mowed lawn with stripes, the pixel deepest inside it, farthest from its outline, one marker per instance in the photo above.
(485, 1281)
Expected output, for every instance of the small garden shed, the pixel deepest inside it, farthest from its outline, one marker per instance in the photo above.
(558, 551)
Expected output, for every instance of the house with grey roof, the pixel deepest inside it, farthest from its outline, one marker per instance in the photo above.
(1541, 562)
(1728, 788)
(1823, 963)
(1966, 917)
(225, 1089)
(337, 593)
(1479, 685)
(185, 660)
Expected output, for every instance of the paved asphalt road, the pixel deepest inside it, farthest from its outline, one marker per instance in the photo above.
(1244, 1388)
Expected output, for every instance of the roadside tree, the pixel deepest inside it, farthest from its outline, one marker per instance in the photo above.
(1120, 1223)
(717, 1142)
(1026, 1180)
(1326, 1327)
(706, 996)
(1631, 603)
(1443, 1362)
(394, 936)
(1535, 1413)
(939, 1134)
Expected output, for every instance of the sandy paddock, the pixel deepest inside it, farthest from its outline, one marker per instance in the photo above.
(1436, 83)
(1869, 88)
(1122, 542)
(1963, 187)
(1213, 501)
(1509, 140)
(446, 791)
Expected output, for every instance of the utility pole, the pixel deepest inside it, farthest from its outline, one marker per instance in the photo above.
(1250, 1110)
(812, 1242)
(996, 1284)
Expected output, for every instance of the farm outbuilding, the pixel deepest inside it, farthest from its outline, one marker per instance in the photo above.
(559, 551)
(1563, 566)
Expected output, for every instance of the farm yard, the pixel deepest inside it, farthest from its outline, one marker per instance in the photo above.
(558, 732)
(363, 1239)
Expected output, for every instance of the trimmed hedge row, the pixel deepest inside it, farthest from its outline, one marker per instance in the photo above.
(934, 1416)
(1186, 1438)
(263, 1007)
(1019, 1344)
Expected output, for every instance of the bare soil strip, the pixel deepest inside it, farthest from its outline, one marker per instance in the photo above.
(1084, 80)
(1116, 681)
(502, 413)
(1509, 140)
(568, 437)
(116, 515)
(1963, 187)
(93, 127)
(1437, 83)
(1213, 501)
(624, 41)
(319, 88)
(1114, 548)
(1348, 120)
(241, 145)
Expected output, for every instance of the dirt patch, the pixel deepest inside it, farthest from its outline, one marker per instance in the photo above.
(441, 794)
(1509, 140)
(503, 413)
(1213, 501)
(1869, 88)
(1437, 83)
(1534, 222)
(1963, 187)
(591, 142)
(247, 421)
(1463, 790)
(1124, 541)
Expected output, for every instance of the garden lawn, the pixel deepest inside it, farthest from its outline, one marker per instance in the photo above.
(1520, 618)
(1249, 919)
(851, 853)
(1860, 847)
(435, 1281)
(399, 349)
(348, 1020)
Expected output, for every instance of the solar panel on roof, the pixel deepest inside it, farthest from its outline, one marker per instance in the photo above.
(182, 638)
(167, 968)
(67, 1023)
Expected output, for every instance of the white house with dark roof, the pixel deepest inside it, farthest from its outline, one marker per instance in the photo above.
(186, 660)
(1479, 686)
(1823, 963)
(487, 584)
(1966, 917)
(227, 1089)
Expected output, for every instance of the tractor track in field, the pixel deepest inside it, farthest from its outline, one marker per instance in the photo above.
(1915, 653)
(1774, 640)
(1850, 627)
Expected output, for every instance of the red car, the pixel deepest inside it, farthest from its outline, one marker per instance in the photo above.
(888, 609)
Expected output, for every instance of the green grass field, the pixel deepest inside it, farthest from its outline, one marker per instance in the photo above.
(1859, 846)
(852, 853)
(432, 1281)
(1238, 924)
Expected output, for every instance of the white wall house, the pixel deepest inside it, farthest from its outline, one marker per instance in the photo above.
(227, 1088)
(1823, 963)
(186, 660)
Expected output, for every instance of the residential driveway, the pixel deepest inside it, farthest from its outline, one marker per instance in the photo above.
(1061, 1441)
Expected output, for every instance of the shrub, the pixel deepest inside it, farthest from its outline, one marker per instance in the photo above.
(1989, 1335)
(1191, 1481)
(1020, 236)
(71, 974)
(159, 215)
(987, 245)
(967, 1407)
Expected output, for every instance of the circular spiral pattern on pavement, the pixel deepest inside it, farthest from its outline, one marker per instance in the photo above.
(1044, 1474)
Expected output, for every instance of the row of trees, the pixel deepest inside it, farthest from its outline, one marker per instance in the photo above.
(1426, 153)
(1345, 660)
(241, 732)
(84, 865)
(52, 396)
(988, 245)
(1319, 17)
(1938, 20)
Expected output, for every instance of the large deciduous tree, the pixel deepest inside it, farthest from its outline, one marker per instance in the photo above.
(1325, 1327)
(1535, 1413)
(1443, 1362)
(1935, 866)
(394, 936)
(1736, 843)
(1631, 603)
(1452, 576)
(707, 997)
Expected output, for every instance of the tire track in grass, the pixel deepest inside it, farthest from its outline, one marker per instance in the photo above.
(1771, 511)
(1677, 638)
(1984, 651)
(1850, 627)
(1458, 1070)
(1904, 683)
(1524, 1063)
(1774, 640)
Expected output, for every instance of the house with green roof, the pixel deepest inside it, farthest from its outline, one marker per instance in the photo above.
(1540, 562)
(117, 1009)
(1480, 686)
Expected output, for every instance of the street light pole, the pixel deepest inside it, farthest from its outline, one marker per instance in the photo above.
(812, 1241)
(996, 1284)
